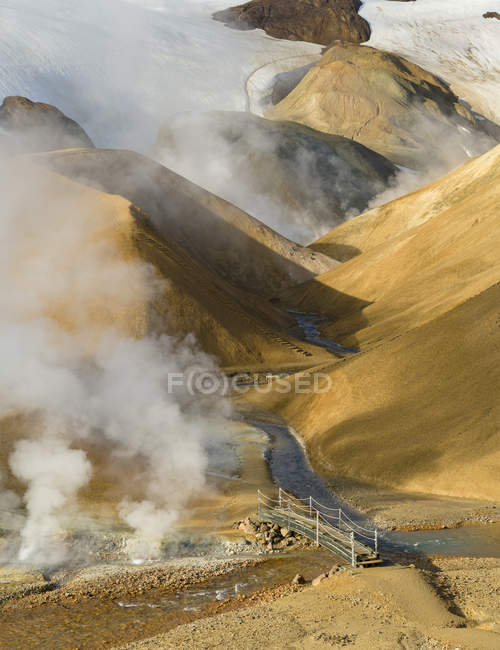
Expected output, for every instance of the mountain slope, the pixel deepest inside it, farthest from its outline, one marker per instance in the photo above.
(156, 286)
(242, 250)
(389, 221)
(300, 181)
(420, 256)
(33, 126)
(418, 413)
(418, 408)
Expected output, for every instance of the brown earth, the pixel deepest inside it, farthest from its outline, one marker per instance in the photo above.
(388, 104)
(34, 126)
(315, 21)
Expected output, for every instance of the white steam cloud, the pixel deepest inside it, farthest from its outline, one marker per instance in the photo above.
(77, 372)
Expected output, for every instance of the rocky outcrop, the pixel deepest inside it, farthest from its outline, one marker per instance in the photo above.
(34, 126)
(492, 14)
(315, 21)
(388, 104)
(307, 180)
(272, 536)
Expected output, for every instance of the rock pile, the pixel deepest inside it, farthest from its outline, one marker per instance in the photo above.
(272, 537)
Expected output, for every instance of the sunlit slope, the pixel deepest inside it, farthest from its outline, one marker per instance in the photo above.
(421, 255)
(389, 105)
(392, 219)
(418, 408)
(239, 248)
(420, 412)
(180, 297)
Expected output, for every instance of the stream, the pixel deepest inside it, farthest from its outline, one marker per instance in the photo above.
(291, 470)
(307, 330)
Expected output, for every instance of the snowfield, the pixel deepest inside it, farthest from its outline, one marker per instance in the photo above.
(450, 38)
(121, 67)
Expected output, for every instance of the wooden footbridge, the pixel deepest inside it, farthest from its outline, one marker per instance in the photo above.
(331, 528)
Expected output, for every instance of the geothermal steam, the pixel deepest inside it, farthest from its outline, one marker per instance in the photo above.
(79, 368)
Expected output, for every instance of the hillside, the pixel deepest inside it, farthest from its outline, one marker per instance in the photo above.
(181, 297)
(419, 256)
(215, 233)
(28, 126)
(388, 104)
(418, 408)
(299, 181)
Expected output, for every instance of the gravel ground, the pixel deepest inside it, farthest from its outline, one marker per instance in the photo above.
(387, 607)
(108, 582)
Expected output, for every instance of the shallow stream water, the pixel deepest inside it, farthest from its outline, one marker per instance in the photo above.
(95, 623)
(292, 471)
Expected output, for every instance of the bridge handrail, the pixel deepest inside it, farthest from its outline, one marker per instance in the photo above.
(321, 507)
(331, 543)
(342, 516)
(339, 528)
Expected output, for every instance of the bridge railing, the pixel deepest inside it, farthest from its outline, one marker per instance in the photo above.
(330, 527)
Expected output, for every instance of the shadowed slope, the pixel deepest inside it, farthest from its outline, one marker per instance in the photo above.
(300, 181)
(239, 248)
(180, 297)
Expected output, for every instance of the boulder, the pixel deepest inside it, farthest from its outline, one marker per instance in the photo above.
(36, 127)
(248, 527)
(315, 21)
(318, 579)
(298, 579)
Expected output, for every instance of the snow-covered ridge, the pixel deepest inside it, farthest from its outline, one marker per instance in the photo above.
(450, 38)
